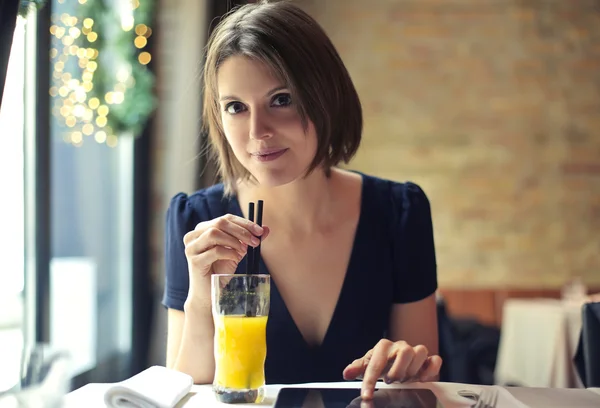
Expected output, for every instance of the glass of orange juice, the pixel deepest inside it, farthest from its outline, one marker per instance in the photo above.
(240, 308)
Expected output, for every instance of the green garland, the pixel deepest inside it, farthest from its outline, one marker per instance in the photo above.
(25, 6)
(101, 82)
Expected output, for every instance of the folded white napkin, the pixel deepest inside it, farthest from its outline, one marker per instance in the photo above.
(155, 387)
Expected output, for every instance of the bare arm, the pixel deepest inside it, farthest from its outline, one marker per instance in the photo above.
(416, 323)
(410, 352)
(213, 247)
(190, 342)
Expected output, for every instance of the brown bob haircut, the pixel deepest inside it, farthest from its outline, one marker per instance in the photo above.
(301, 55)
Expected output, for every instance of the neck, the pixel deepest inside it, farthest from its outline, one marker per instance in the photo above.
(300, 206)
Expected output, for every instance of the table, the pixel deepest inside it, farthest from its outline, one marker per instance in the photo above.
(91, 395)
(538, 342)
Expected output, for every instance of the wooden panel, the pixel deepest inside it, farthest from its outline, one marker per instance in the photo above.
(479, 304)
(485, 305)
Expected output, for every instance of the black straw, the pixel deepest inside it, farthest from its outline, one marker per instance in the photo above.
(250, 256)
(253, 257)
(256, 255)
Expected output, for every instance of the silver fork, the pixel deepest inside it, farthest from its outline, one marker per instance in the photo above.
(487, 399)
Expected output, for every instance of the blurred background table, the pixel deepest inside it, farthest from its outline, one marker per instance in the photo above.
(538, 342)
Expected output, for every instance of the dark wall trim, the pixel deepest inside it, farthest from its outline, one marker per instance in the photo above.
(142, 296)
(142, 308)
(42, 175)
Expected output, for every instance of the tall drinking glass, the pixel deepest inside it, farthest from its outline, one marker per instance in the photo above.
(240, 307)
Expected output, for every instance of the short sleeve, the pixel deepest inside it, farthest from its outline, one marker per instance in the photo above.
(181, 218)
(414, 260)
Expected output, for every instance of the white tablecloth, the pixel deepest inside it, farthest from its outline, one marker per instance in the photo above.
(537, 344)
(91, 396)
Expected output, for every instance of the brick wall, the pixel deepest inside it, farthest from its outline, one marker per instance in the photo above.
(493, 107)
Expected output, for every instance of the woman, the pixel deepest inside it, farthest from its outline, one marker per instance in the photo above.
(351, 256)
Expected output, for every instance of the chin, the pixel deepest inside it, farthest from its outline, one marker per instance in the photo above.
(273, 179)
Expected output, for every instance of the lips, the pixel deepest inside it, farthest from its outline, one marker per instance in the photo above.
(266, 152)
(269, 154)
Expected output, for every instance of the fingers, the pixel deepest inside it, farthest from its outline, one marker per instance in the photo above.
(239, 228)
(214, 237)
(356, 368)
(266, 232)
(217, 253)
(402, 358)
(382, 353)
(431, 369)
(223, 239)
(408, 362)
(394, 362)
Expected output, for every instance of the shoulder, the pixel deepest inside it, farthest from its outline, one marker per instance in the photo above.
(404, 209)
(202, 205)
(401, 196)
(184, 212)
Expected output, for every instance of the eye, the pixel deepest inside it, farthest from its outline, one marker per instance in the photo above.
(234, 107)
(282, 99)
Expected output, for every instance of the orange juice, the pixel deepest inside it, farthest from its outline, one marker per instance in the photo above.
(240, 351)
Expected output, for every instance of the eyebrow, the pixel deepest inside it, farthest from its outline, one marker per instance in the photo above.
(271, 92)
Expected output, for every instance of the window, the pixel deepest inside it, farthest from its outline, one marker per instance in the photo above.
(91, 200)
(12, 233)
(67, 208)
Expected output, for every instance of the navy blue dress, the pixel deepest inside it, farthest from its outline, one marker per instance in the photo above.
(392, 261)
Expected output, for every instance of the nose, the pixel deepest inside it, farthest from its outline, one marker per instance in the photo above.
(260, 126)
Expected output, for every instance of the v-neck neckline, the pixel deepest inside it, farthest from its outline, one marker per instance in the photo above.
(237, 210)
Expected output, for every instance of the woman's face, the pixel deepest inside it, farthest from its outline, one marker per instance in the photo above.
(261, 122)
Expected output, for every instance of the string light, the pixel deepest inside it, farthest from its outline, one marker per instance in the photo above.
(109, 98)
(140, 41)
(76, 137)
(101, 121)
(127, 23)
(141, 29)
(103, 110)
(111, 141)
(87, 129)
(94, 103)
(144, 58)
(88, 116)
(118, 98)
(100, 136)
(80, 113)
(92, 66)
